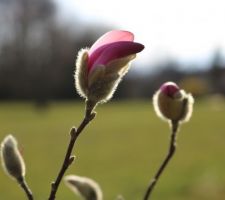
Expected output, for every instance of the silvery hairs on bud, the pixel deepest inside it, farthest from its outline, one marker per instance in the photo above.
(85, 187)
(81, 73)
(100, 68)
(100, 83)
(12, 160)
(188, 102)
(104, 79)
(178, 107)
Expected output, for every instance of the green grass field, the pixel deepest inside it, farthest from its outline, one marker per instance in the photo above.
(121, 149)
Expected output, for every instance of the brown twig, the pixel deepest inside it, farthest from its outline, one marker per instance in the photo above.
(89, 115)
(172, 149)
(26, 188)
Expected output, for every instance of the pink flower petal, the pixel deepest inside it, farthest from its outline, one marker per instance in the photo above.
(110, 37)
(94, 56)
(117, 50)
(169, 89)
(101, 43)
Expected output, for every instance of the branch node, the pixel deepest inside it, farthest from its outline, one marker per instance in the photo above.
(92, 116)
(73, 132)
(71, 159)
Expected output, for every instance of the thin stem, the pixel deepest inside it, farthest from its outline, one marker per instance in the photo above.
(89, 115)
(26, 188)
(171, 151)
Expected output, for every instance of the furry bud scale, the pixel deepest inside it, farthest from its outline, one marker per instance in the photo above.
(12, 160)
(172, 103)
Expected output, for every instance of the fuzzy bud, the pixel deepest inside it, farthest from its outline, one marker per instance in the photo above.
(85, 187)
(172, 103)
(12, 160)
(100, 68)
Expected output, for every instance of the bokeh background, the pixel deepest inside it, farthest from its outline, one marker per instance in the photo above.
(184, 42)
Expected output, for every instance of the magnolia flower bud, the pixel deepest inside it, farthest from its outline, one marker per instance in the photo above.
(100, 68)
(85, 187)
(12, 160)
(172, 103)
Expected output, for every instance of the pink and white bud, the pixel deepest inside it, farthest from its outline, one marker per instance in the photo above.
(172, 103)
(85, 187)
(100, 68)
(12, 160)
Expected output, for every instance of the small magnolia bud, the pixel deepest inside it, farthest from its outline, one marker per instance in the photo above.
(100, 68)
(85, 187)
(12, 160)
(172, 103)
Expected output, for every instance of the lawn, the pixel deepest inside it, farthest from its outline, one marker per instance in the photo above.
(121, 149)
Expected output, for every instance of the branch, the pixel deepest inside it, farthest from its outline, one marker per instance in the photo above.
(171, 151)
(26, 188)
(89, 115)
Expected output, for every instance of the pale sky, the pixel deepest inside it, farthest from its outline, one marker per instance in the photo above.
(187, 30)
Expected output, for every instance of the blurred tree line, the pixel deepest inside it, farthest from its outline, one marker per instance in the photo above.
(37, 55)
(200, 82)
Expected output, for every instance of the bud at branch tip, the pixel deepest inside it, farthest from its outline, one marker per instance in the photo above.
(173, 104)
(11, 158)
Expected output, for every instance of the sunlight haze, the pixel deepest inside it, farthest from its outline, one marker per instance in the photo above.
(187, 31)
